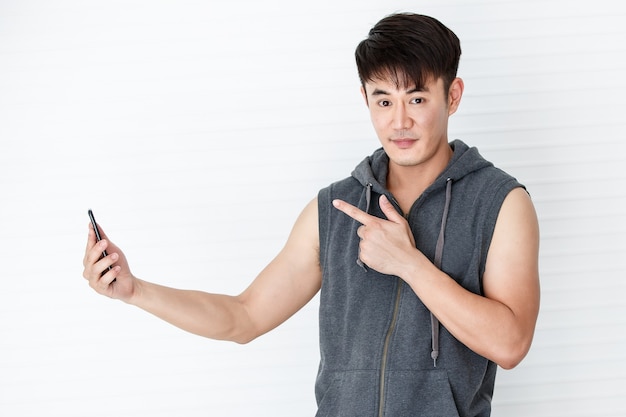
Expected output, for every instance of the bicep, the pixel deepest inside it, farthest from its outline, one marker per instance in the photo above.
(290, 280)
(511, 273)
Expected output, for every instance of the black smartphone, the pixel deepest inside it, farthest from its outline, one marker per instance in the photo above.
(98, 237)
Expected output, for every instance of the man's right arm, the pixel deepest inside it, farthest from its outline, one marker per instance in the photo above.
(284, 286)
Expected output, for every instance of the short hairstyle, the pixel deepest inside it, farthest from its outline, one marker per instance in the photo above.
(409, 49)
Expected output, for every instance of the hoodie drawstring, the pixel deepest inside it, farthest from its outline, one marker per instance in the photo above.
(434, 322)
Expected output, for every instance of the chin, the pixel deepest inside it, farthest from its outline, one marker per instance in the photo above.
(405, 160)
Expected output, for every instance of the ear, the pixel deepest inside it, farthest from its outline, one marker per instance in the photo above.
(364, 94)
(454, 95)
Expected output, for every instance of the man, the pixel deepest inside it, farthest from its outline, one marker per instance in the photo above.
(426, 256)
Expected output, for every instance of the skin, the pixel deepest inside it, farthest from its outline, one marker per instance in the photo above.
(412, 127)
(295, 272)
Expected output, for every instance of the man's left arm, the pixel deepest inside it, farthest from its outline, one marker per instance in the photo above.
(499, 325)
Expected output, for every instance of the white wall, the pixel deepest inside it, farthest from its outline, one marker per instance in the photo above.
(198, 131)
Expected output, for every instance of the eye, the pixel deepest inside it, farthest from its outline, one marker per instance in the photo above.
(384, 103)
(416, 100)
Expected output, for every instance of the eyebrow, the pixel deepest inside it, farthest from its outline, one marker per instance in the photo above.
(379, 92)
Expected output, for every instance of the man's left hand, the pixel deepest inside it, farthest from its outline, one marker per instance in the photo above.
(386, 245)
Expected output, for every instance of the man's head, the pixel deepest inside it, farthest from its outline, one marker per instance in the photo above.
(408, 68)
(409, 49)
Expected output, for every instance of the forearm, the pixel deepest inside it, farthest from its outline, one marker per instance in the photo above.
(214, 316)
(487, 326)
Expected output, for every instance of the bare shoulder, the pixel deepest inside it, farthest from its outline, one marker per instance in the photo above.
(291, 279)
(517, 221)
(299, 258)
(306, 229)
(511, 272)
(298, 261)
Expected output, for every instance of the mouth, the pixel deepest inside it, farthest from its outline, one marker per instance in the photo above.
(404, 143)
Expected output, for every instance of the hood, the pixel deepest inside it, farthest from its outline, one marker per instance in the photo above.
(372, 174)
(373, 170)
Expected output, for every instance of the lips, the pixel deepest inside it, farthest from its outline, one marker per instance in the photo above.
(404, 143)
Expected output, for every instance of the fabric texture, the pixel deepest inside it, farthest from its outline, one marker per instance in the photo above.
(376, 337)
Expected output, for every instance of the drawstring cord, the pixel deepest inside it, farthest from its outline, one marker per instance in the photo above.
(434, 322)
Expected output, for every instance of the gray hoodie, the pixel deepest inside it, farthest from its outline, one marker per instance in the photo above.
(382, 352)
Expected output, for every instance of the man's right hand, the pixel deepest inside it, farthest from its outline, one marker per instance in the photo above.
(286, 284)
(118, 282)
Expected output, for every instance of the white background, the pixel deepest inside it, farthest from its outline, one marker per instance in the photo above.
(198, 130)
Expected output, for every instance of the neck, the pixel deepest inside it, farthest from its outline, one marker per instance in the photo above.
(407, 183)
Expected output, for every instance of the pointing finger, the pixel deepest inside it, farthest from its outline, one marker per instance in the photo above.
(352, 211)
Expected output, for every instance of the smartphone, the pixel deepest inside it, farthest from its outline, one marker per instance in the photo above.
(98, 237)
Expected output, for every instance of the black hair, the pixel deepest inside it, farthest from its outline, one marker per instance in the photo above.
(409, 49)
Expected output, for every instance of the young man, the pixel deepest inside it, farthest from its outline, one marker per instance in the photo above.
(426, 256)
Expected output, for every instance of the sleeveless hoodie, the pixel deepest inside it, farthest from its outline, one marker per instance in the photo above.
(381, 351)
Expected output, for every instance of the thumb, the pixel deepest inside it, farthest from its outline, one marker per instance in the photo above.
(389, 210)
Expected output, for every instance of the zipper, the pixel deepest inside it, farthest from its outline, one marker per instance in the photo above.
(383, 364)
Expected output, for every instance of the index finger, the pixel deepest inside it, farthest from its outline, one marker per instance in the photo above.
(91, 238)
(352, 211)
(91, 241)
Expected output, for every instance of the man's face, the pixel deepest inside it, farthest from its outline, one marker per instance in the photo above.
(411, 123)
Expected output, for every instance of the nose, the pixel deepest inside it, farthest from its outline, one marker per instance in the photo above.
(401, 119)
